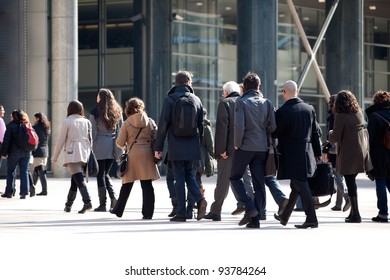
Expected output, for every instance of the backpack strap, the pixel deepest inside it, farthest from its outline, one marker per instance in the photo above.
(388, 123)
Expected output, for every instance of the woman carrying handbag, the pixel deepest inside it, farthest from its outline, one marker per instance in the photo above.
(140, 161)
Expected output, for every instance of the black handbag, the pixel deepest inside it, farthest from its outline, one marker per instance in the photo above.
(271, 163)
(123, 159)
(322, 182)
(93, 166)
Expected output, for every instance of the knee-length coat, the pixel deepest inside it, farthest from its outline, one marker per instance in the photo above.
(141, 164)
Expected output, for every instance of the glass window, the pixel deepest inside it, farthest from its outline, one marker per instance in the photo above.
(119, 27)
(88, 24)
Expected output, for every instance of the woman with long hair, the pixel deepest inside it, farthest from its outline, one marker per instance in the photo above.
(106, 117)
(352, 146)
(138, 132)
(42, 127)
(75, 139)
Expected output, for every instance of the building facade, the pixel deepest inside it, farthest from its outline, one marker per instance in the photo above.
(54, 51)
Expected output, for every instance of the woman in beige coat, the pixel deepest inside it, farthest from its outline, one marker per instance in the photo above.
(352, 146)
(75, 139)
(140, 165)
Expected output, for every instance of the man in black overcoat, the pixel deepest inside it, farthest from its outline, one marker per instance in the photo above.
(300, 148)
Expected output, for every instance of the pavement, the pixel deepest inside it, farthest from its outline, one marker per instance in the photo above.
(40, 241)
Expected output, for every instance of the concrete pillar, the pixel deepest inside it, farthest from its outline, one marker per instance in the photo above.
(37, 57)
(257, 42)
(344, 48)
(64, 68)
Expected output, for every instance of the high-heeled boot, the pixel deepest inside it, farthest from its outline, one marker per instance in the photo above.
(43, 179)
(102, 200)
(111, 192)
(69, 202)
(79, 179)
(174, 206)
(32, 186)
(354, 216)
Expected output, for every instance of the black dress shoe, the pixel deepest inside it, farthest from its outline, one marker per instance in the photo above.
(279, 218)
(254, 223)
(6, 195)
(177, 218)
(248, 217)
(307, 225)
(379, 220)
(146, 218)
(212, 216)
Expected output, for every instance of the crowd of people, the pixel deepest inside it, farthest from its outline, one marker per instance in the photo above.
(246, 124)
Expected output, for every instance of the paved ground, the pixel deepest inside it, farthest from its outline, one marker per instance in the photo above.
(40, 241)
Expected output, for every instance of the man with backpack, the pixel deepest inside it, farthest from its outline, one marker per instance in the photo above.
(181, 121)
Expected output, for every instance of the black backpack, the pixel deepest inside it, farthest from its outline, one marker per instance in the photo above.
(184, 116)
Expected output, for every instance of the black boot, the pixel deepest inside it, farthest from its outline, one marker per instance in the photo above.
(79, 179)
(102, 200)
(69, 202)
(122, 200)
(43, 179)
(354, 216)
(174, 205)
(32, 186)
(111, 192)
(189, 212)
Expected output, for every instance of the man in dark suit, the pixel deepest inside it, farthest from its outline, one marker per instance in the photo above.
(300, 148)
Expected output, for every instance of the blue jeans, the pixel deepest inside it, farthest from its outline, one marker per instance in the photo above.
(382, 186)
(23, 161)
(184, 173)
(274, 188)
(256, 161)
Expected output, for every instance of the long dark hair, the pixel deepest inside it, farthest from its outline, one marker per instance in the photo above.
(75, 107)
(110, 112)
(41, 117)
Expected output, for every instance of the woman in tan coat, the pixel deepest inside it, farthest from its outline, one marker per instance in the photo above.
(141, 164)
(352, 146)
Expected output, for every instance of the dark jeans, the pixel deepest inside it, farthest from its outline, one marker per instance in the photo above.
(184, 173)
(23, 161)
(256, 161)
(103, 177)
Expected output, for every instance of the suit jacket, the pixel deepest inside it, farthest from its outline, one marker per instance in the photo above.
(298, 139)
(75, 139)
(352, 144)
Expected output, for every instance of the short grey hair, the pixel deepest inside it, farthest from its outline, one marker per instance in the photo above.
(290, 87)
(231, 86)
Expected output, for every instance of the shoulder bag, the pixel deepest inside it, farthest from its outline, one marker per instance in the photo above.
(122, 165)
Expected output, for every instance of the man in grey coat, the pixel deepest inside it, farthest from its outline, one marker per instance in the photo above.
(300, 148)
(183, 152)
(254, 120)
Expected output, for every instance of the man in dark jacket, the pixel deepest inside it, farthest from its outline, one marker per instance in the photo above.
(183, 152)
(300, 148)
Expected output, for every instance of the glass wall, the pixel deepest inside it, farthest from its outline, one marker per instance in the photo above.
(376, 53)
(204, 42)
(105, 49)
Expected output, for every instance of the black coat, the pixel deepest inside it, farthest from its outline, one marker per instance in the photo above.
(179, 148)
(380, 156)
(298, 139)
(43, 145)
(10, 145)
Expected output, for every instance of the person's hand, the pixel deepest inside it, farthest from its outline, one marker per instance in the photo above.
(158, 154)
(4, 157)
(235, 147)
(325, 157)
(53, 161)
(318, 159)
(224, 155)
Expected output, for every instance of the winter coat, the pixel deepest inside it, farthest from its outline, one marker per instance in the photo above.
(103, 138)
(179, 148)
(298, 137)
(44, 137)
(254, 120)
(224, 127)
(75, 139)
(380, 156)
(352, 144)
(10, 141)
(140, 162)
